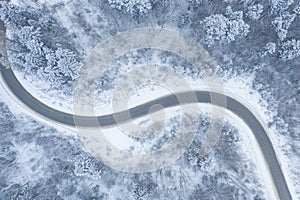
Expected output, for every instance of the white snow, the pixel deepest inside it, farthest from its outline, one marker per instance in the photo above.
(147, 93)
(120, 139)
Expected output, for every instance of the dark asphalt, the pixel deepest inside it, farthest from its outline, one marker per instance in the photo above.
(168, 101)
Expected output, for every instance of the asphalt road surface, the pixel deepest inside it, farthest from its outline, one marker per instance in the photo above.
(167, 101)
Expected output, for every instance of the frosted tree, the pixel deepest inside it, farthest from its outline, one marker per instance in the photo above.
(86, 165)
(37, 46)
(278, 6)
(6, 119)
(133, 7)
(297, 10)
(270, 48)
(184, 20)
(62, 66)
(225, 28)
(282, 23)
(216, 187)
(247, 2)
(192, 154)
(289, 49)
(143, 187)
(67, 63)
(199, 2)
(31, 38)
(254, 12)
(238, 15)
(240, 1)
(58, 66)
(229, 1)
(14, 16)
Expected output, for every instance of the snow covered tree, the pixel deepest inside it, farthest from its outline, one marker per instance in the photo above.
(184, 20)
(247, 2)
(199, 2)
(225, 28)
(238, 15)
(6, 119)
(87, 165)
(143, 187)
(133, 7)
(216, 187)
(14, 16)
(58, 66)
(289, 49)
(230, 135)
(270, 48)
(62, 66)
(282, 23)
(192, 154)
(37, 45)
(254, 12)
(279, 6)
(228, 1)
(297, 10)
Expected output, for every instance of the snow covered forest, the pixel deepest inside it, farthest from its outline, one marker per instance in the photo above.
(40, 162)
(47, 42)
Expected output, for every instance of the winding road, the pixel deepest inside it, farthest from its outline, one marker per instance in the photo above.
(167, 101)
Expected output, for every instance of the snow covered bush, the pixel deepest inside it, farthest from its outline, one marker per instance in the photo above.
(133, 7)
(282, 23)
(290, 50)
(254, 12)
(225, 28)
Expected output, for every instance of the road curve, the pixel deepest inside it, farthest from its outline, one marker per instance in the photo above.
(167, 101)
